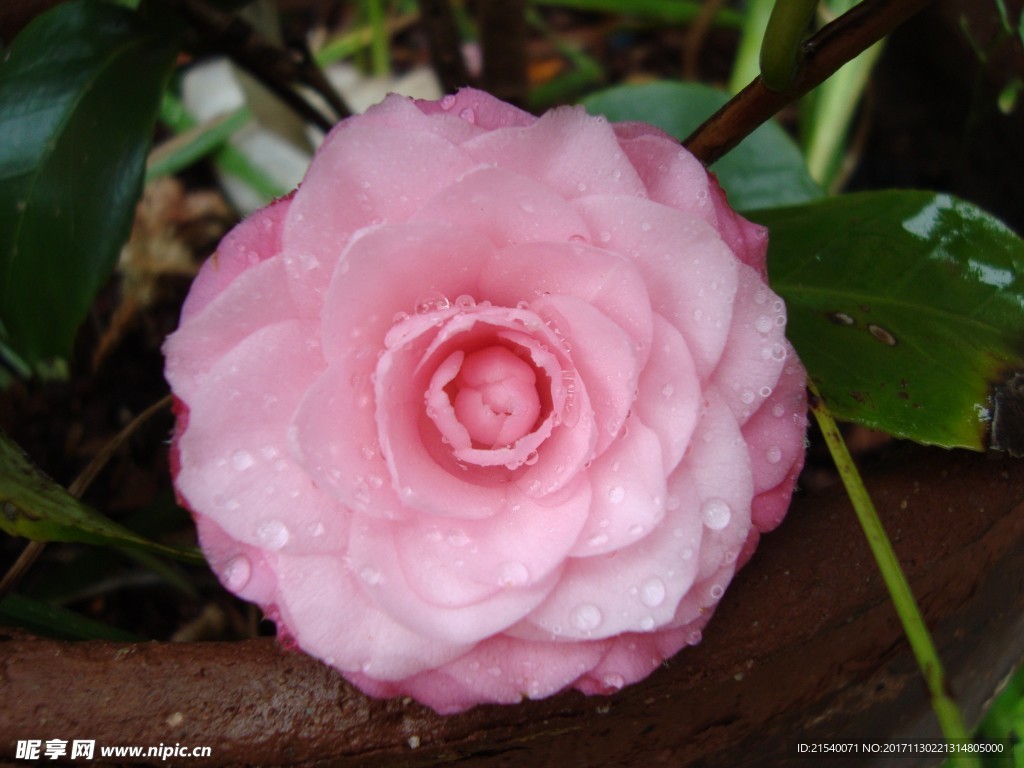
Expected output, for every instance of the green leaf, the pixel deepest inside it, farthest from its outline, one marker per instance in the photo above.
(765, 170)
(907, 309)
(78, 97)
(53, 621)
(35, 507)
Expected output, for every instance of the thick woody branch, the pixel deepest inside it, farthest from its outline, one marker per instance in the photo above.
(503, 39)
(823, 54)
(442, 32)
(805, 646)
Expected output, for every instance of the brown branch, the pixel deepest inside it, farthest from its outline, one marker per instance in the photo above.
(824, 53)
(442, 32)
(275, 67)
(805, 646)
(503, 39)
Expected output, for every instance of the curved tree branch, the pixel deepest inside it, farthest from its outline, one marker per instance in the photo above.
(824, 53)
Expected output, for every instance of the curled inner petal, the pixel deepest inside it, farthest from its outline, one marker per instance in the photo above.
(496, 397)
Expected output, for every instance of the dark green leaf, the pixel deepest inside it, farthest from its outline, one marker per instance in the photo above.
(765, 170)
(908, 310)
(45, 619)
(78, 97)
(35, 507)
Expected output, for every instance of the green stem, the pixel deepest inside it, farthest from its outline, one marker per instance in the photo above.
(379, 62)
(950, 719)
(780, 51)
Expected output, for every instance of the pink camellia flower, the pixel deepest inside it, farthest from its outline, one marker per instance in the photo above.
(491, 406)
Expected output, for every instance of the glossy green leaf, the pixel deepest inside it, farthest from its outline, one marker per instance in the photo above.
(79, 91)
(35, 507)
(765, 170)
(908, 310)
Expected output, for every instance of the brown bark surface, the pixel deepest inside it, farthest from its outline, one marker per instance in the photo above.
(805, 646)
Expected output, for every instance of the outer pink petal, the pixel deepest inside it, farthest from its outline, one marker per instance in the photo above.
(631, 590)
(463, 580)
(234, 464)
(245, 570)
(628, 658)
(566, 150)
(749, 241)
(393, 269)
(672, 175)
(605, 280)
(250, 242)
(756, 352)
(669, 398)
(250, 301)
(324, 607)
(629, 493)
(369, 171)
(506, 208)
(334, 436)
(688, 270)
(477, 108)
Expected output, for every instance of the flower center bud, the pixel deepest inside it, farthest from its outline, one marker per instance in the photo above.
(496, 397)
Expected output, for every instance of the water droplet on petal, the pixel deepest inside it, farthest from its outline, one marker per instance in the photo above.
(370, 576)
(614, 681)
(513, 574)
(468, 115)
(773, 455)
(616, 494)
(716, 513)
(237, 573)
(273, 534)
(598, 540)
(717, 590)
(763, 324)
(448, 102)
(652, 592)
(586, 617)
(668, 390)
(242, 460)
(647, 623)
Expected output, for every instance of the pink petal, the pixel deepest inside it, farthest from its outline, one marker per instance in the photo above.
(604, 357)
(250, 242)
(669, 397)
(629, 492)
(634, 589)
(395, 269)
(672, 175)
(369, 171)
(749, 241)
(602, 279)
(462, 580)
(335, 439)
(566, 150)
(235, 465)
(689, 273)
(247, 571)
(249, 302)
(477, 108)
(756, 352)
(338, 622)
(504, 207)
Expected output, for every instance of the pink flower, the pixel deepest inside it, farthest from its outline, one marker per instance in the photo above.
(491, 406)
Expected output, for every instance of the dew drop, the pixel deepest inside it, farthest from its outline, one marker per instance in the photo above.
(647, 623)
(763, 324)
(652, 592)
(765, 391)
(694, 637)
(636, 530)
(604, 237)
(468, 115)
(614, 681)
(668, 390)
(645, 226)
(778, 410)
(716, 513)
(242, 460)
(773, 455)
(237, 573)
(432, 301)
(370, 576)
(458, 537)
(616, 494)
(273, 534)
(513, 574)
(465, 301)
(598, 540)
(747, 397)
(586, 617)
(717, 590)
